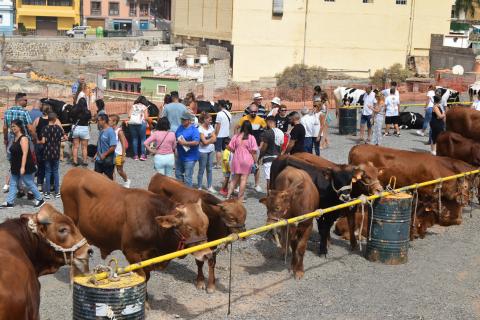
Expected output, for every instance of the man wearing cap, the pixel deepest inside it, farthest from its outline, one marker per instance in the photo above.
(257, 100)
(369, 103)
(174, 111)
(276, 102)
(188, 139)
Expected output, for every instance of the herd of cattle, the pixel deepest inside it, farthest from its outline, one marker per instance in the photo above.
(169, 216)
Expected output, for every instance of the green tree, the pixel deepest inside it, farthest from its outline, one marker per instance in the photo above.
(396, 73)
(299, 76)
(467, 6)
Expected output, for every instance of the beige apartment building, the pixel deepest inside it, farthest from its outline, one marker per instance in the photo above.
(357, 36)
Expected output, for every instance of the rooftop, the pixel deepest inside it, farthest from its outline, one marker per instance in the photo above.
(134, 80)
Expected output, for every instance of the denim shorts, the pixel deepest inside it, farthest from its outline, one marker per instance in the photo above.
(81, 132)
(366, 120)
(220, 144)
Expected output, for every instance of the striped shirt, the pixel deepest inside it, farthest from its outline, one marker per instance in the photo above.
(261, 111)
(17, 112)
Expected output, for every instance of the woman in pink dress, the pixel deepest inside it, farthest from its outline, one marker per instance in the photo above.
(244, 150)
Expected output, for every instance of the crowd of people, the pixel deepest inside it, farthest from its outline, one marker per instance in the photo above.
(179, 139)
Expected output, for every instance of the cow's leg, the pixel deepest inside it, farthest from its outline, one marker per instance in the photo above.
(323, 233)
(200, 282)
(455, 212)
(292, 235)
(351, 227)
(211, 273)
(302, 234)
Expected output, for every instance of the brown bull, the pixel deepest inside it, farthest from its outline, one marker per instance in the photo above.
(454, 145)
(410, 167)
(294, 194)
(464, 121)
(224, 217)
(140, 223)
(30, 246)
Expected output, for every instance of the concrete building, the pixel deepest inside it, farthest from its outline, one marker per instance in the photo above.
(128, 15)
(6, 17)
(48, 17)
(355, 36)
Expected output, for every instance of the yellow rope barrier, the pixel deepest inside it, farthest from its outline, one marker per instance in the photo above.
(251, 232)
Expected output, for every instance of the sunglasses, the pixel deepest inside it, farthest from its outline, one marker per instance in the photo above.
(283, 110)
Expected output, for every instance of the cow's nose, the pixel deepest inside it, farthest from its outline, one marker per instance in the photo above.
(90, 252)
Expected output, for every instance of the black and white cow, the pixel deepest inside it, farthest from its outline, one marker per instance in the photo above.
(411, 120)
(62, 109)
(351, 96)
(473, 90)
(450, 95)
(213, 107)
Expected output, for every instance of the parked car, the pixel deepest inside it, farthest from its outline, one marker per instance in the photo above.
(78, 30)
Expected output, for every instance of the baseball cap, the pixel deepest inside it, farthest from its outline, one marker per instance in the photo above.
(277, 101)
(257, 95)
(186, 116)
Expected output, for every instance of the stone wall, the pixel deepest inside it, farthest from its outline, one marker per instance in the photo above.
(68, 50)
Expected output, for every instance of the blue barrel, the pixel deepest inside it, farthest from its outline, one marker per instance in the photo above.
(390, 229)
(347, 121)
(120, 299)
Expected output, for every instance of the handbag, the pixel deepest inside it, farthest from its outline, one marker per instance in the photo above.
(70, 134)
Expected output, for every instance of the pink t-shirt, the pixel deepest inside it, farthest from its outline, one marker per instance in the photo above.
(165, 141)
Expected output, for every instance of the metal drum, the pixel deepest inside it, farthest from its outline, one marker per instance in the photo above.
(390, 229)
(347, 121)
(122, 299)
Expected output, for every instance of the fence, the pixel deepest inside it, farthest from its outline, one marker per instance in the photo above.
(230, 239)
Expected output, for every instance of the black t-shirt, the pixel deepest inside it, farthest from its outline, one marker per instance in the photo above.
(53, 139)
(272, 150)
(16, 158)
(298, 134)
(282, 123)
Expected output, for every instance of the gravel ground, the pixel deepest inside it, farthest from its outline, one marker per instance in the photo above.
(440, 280)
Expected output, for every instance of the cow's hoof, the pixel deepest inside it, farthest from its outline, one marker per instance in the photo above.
(298, 275)
(458, 221)
(322, 252)
(354, 248)
(211, 289)
(200, 285)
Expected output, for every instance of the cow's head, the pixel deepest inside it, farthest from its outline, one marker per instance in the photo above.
(59, 235)
(233, 214)
(365, 176)
(426, 217)
(190, 225)
(278, 202)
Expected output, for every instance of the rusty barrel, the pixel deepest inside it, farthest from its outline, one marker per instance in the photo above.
(120, 298)
(390, 229)
(347, 121)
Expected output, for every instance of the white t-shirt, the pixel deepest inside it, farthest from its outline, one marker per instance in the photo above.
(476, 105)
(392, 105)
(118, 148)
(309, 121)
(368, 100)
(386, 93)
(224, 118)
(206, 133)
(316, 129)
(430, 95)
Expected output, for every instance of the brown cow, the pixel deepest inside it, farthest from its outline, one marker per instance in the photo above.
(294, 194)
(454, 145)
(342, 228)
(140, 223)
(464, 121)
(224, 217)
(410, 167)
(30, 246)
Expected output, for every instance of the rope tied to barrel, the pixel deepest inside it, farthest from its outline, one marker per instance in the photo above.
(391, 188)
(234, 237)
(286, 242)
(364, 200)
(415, 197)
(438, 188)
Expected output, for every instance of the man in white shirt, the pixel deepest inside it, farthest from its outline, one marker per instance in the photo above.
(222, 131)
(386, 92)
(476, 103)
(369, 102)
(392, 113)
(310, 122)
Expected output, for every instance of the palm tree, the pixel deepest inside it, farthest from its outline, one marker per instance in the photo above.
(467, 6)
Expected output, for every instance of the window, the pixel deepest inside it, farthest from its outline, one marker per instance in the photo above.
(367, 1)
(133, 9)
(113, 9)
(161, 89)
(143, 9)
(35, 2)
(59, 3)
(401, 1)
(96, 8)
(329, 0)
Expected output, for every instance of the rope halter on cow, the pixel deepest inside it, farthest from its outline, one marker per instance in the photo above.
(184, 241)
(343, 197)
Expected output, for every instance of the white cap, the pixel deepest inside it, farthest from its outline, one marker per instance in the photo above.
(277, 101)
(257, 95)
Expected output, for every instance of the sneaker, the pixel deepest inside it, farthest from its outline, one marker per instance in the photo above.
(84, 164)
(433, 153)
(223, 192)
(212, 190)
(126, 184)
(46, 195)
(143, 158)
(258, 189)
(386, 134)
(20, 194)
(39, 203)
(30, 196)
(5, 188)
(40, 187)
(57, 195)
(420, 133)
(397, 134)
(237, 189)
(135, 158)
(6, 205)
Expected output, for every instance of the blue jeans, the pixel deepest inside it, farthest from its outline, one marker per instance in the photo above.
(205, 162)
(51, 169)
(316, 146)
(40, 164)
(28, 181)
(308, 144)
(184, 171)
(163, 163)
(138, 133)
(428, 117)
